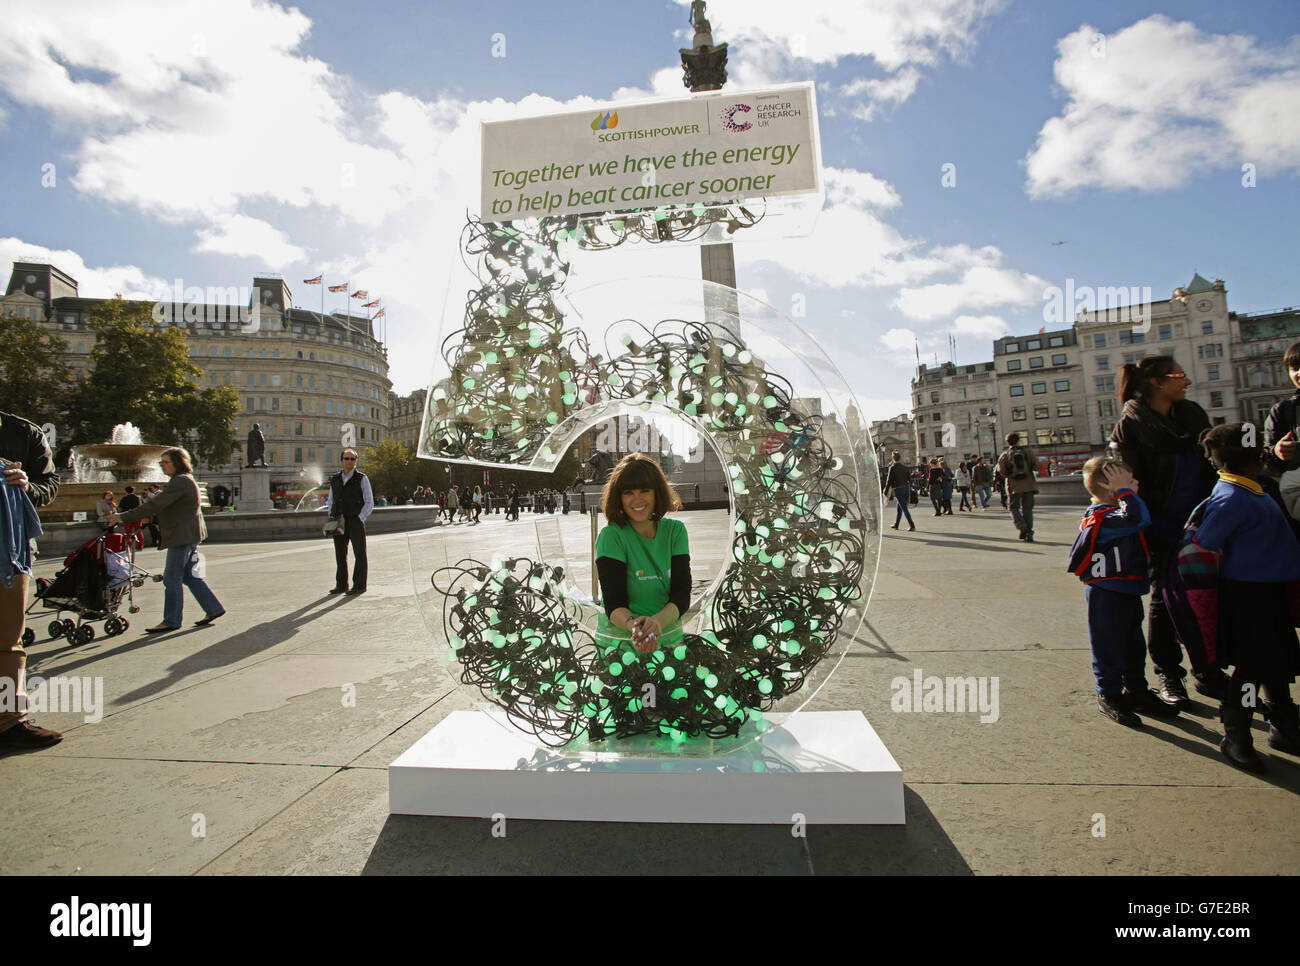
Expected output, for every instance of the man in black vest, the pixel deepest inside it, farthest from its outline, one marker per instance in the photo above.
(351, 498)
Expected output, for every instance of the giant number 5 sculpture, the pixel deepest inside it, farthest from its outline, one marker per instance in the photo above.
(805, 497)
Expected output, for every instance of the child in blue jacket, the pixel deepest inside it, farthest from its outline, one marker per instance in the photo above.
(1110, 557)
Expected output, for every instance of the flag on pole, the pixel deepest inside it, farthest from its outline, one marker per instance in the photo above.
(313, 281)
(379, 314)
(360, 294)
(339, 288)
(371, 305)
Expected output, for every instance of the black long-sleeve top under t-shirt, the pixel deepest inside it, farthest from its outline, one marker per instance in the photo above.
(613, 583)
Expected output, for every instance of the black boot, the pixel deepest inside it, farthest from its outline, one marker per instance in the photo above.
(1283, 724)
(1236, 745)
(1213, 684)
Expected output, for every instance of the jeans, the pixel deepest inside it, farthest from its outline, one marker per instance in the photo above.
(178, 572)
(984, 491)
(965, 501)
(1022, 511)
(901, 495)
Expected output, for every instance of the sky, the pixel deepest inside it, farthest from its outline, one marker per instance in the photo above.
(976, 153)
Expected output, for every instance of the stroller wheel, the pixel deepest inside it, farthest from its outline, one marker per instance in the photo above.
(29, 637)
(69, 626)
(124, 624)
(110, 627)
(57, 629)
(85, 634)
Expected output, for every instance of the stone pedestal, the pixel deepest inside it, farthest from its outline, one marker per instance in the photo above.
(254, 489)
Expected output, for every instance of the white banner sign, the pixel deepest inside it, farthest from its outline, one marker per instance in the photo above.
(711, 149)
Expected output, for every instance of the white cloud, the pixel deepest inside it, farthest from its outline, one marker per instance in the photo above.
(772, 40)
(1162, 102)
(895, 339)
(980, 287)
(989, 327)
(97, 281)
(882, 92)
(242, 235)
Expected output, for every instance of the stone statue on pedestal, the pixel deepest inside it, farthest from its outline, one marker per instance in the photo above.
(256, 446)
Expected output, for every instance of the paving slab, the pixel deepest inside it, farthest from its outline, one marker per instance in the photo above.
(113, 816)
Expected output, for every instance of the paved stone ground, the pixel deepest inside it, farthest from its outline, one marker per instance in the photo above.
(244, 723)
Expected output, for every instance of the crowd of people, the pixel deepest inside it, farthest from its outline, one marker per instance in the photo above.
(461, 504)
(974, 480)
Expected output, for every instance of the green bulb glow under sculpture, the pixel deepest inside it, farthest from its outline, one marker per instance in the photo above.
(521, 388)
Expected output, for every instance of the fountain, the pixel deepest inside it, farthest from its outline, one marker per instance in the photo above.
(120, 461)
(124, 458)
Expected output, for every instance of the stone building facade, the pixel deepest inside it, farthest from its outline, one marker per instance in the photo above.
(1192, 325)
(951, 411)
(1259, 342)
(309, 380)
(1041, 394)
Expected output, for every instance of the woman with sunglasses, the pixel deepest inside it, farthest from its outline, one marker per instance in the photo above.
(1158, 437)
(181, 521)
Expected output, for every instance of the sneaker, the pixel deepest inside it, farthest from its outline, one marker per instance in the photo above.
(1116, 708)
(1171, 691)
(1149, 703)
(27, 736)
(1213, 684)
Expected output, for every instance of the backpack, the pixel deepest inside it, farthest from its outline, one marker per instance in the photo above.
(1017, 464)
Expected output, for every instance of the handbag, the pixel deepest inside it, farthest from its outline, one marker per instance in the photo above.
(335, 527)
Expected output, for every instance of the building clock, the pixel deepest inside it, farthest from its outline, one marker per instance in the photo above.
(1203, 305)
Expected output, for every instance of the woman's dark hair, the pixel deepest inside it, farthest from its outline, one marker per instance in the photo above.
(1224, 446)
(1135, 380)
(637, 471)
(1013, 439)
(896, 457)
(180, 458)
(1292, 358)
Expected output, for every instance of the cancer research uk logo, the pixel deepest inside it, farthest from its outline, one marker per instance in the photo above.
(605, 122)
(729, 118)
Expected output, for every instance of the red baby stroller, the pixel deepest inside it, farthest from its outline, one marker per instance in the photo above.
(94, 581)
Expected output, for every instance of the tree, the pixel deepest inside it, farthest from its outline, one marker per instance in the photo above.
(34, 379)
(143, 373)
(390, 466)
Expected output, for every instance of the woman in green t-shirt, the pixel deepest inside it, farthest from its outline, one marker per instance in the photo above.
(642, 556)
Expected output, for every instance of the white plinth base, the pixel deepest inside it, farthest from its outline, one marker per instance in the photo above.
(828, 766)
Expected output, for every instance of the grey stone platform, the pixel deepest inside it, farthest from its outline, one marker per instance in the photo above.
(260, 744)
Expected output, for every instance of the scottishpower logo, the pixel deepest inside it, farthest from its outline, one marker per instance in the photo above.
(605, 122)
(729, 118)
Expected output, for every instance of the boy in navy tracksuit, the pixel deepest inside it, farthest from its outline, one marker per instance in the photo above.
(1110, 557)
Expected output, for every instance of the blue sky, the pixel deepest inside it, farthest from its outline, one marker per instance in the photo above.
(204, 140)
